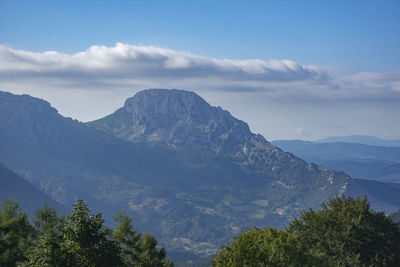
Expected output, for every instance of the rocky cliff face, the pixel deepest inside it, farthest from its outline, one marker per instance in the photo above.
(177, 118)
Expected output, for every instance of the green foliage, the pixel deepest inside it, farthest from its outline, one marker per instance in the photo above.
(267, 247)
(47, 250)
(16, 234)
(137, 249)
(87, 241)
(46, 220)
(150, 255)
(80, 240)
(128, 239)
(345, 232)
(349, 233)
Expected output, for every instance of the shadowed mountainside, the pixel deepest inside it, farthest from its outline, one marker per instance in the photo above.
(29, 197)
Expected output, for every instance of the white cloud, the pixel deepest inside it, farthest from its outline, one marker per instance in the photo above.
(373, 84)
(281, 93)
(123, 66)
(132, 63)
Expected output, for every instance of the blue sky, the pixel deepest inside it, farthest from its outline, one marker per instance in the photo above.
(310, 68)
(363, 35)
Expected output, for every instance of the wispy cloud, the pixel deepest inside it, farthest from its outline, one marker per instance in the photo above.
(124, 66)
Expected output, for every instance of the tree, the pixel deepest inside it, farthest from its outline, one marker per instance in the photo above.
(16, 234)
(137, 249)
(127, 238)
(82, 240)
(345, 232)
(349, 233)
(86, 240)
(47, 249)
(46, 220)
(267, 247)
(150, 255)
(46, 252)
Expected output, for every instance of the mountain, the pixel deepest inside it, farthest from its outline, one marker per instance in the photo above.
(178, 119)
(382, 196)
(187, 172)
(339, 150)
(60, 156)
(378, 163)
(29, 197)
(360, 139)
(182, 120)
(360, 161)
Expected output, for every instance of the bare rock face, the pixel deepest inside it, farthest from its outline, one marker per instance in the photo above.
(177, 118)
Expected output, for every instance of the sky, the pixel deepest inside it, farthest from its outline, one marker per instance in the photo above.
(291, 69)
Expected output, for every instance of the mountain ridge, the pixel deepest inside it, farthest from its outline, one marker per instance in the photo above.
(178, 118)
(360, 139)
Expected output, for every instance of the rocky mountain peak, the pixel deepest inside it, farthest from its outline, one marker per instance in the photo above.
(174, 117)
(165, 102)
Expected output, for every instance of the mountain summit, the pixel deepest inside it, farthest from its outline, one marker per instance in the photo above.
(177, 118)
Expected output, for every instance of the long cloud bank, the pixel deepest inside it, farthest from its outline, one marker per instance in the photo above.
(125, 66)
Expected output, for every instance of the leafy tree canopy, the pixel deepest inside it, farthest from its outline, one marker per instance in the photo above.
(345, 232)
(266, 247)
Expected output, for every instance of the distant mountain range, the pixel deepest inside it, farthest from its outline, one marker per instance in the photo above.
(379, 163)
(360, 139)
(186, 171)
